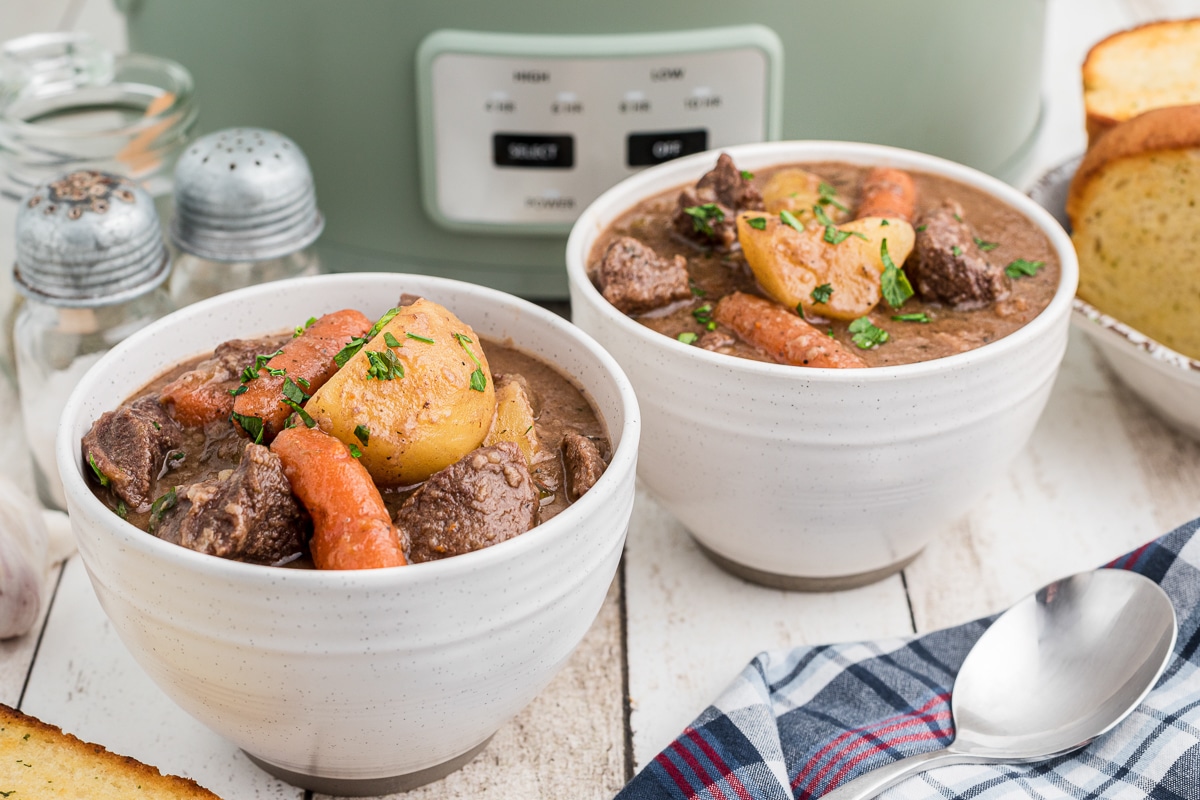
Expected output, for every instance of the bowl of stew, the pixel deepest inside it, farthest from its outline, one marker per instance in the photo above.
(837, 347)
(353, 523)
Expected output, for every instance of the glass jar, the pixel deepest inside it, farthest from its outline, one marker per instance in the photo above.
(245, 213)
(90, 262)
(68, 104)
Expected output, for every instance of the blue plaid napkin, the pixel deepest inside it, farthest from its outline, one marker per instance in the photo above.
(797, 723)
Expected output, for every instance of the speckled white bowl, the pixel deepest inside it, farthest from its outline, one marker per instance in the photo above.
(821, 478)
(360, 682)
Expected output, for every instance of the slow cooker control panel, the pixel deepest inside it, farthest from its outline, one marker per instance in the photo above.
(519, 133)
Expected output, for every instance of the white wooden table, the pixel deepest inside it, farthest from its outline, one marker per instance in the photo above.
(1100, 476)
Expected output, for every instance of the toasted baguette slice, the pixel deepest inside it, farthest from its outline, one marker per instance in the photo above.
(1143, 68)
(1134, 205)
(40, 761)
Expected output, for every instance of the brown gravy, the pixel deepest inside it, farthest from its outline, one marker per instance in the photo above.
(949, 331)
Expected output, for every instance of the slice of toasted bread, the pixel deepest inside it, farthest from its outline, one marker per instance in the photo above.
(1134, 206)
(1143, 68)
(40, 761)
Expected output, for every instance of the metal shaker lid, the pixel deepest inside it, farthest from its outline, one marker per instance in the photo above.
(88, 239)
(244, 194)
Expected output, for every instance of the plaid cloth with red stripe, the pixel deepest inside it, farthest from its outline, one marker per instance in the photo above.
(797, 723)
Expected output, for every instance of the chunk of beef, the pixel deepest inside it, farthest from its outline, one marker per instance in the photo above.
(716, 341)
(484, 498)
(250, 515)
(202, 395)
(129, 446)
(583, 462)
(947, 265)
(635, 279)
(730, 192)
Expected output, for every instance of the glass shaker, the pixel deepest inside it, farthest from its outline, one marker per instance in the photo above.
(67, 104)
(91, 262)
(245, 213)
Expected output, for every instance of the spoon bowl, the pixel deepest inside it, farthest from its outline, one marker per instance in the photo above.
(1061, 667)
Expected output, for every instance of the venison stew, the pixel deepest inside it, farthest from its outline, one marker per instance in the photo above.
(826, 265)
(349, 444)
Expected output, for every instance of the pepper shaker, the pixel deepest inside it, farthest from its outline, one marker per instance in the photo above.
(91, 262)
(245, 213)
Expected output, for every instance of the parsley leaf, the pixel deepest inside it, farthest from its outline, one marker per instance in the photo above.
(239, 390)
(100, 476)
(349, 351)
(696, 290)
(893, 282)
(379, 323)
(391, 341)
(703, 216)
(758, 223)
(478, 379)
(384, 366)
(161, 506)
(828, 197)
(747, 175)
(832, 234)
(919, 316)
(1021, 268)
(363, 434)
(703, 314)
(253, 426)
(424, 339)
(293, 392)
(956, 250)
(866, 334)
(822, 293)
(985, 246)
(789, 219)
(687, 337)
(302, 328)
(354, 451)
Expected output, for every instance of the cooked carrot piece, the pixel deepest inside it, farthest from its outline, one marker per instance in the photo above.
(351, 526)
(307, 361)
(781, 334)
(888, 193)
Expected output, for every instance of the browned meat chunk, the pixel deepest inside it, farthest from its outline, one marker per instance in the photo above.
(202, 395)
(708, 211)
(584, 464)
(635, 280)
(129, 447)
(947, 265)
(249, 516)
(716, 340)
(485, 497)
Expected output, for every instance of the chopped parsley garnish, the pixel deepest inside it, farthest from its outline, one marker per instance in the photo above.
(157, 427)
(178, 455)
(822, 293)
(293, 392)
(354, 451)
(391, 341)
(703, 217)
(349, 351)
(832, 234)
(253, 426)
(883, 223)
(828, 197)
(800, 310)
(239, 390)
(758, 223)
(956, 250)
(260, 362)
(161, 506)
(302, 328)
(696, 290)
(1023, 268)
(703, 314)
(687, 337)
(363, 434)
(747, 175)
(867, 334)
(478, 379)
(985, 246)
(919, 316)
(100, 476)
(424, 339)
(893, 282)
(384, 366)
(957, 218)
(789, 219)
(379, 323)
(920, 228)
(123, 513)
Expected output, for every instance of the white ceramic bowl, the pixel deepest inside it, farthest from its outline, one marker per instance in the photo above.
(1167, 380)
(822, 478)
(370, 681)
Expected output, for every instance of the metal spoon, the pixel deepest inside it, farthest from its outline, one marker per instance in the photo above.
(1058, 669)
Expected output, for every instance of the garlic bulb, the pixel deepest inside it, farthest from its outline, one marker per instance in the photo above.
(30, 540)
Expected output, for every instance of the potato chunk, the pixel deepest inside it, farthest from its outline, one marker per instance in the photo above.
(798, 191)
(791, 264)
(514, 418)
(428, 414)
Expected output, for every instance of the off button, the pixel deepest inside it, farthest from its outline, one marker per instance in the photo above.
(533, 150)
(647, 149)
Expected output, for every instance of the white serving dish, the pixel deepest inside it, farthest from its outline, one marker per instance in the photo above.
(360, 682)
(818, 478)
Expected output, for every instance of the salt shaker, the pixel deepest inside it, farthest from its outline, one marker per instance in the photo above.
(245, 213)
(91, 262)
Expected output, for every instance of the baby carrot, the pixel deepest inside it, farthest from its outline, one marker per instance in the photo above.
(781, 334)
(307, 361)
(888, 193)
(351, 526)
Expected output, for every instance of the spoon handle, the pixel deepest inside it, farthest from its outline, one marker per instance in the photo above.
(875, 781)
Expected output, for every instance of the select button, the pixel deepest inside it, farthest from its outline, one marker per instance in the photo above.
(647, 149)
(533, 150)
